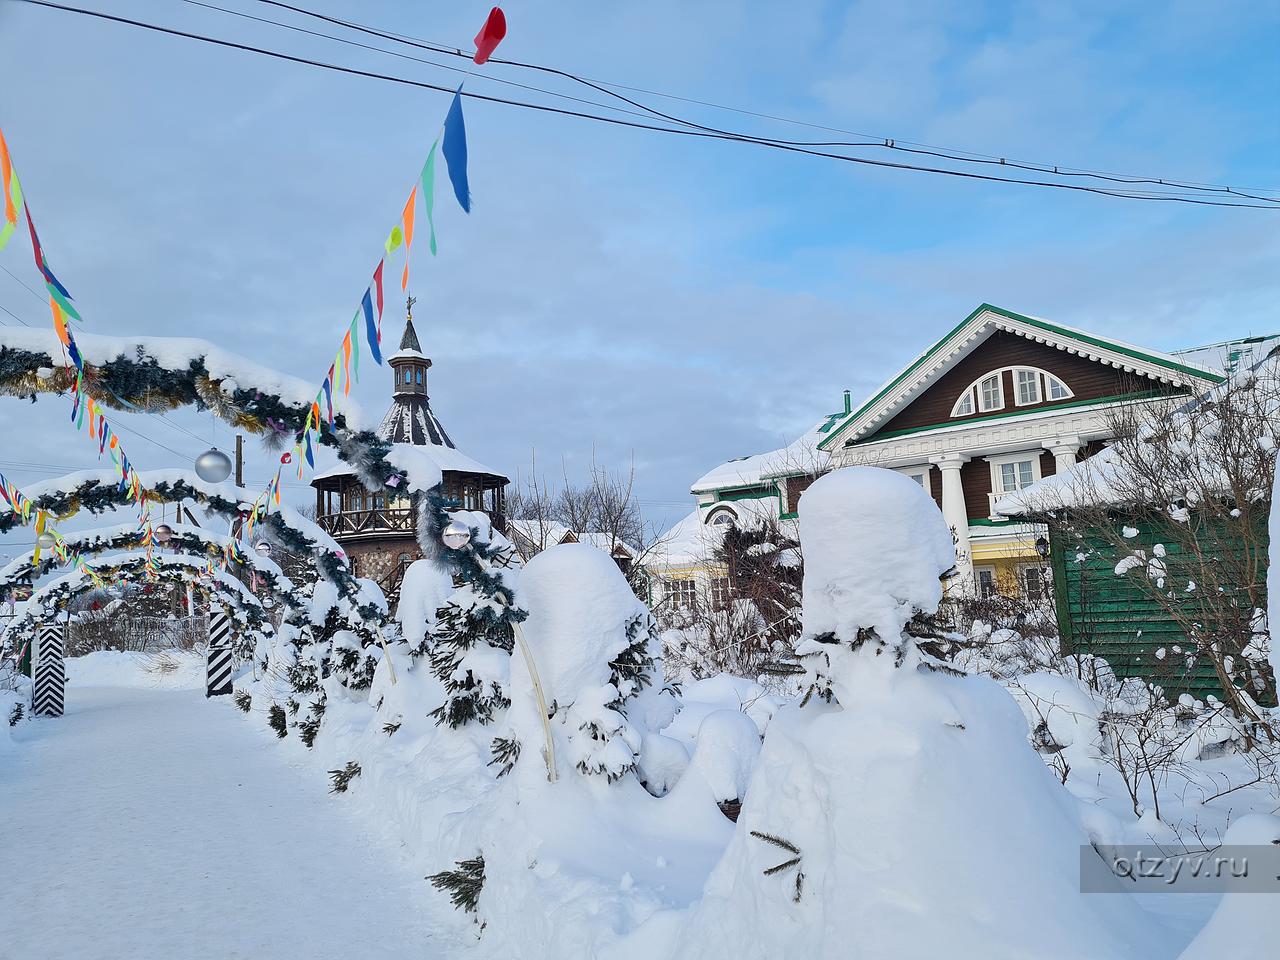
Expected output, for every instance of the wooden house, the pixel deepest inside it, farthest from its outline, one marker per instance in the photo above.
(1002, 400)
(378, 530)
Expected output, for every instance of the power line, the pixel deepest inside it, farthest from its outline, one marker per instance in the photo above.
(890, 143)
(703, 134)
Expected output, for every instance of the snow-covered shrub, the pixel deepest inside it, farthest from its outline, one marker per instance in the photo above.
(889, 817)
(595, 651)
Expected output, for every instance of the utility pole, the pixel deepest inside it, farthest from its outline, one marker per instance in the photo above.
(239, 459)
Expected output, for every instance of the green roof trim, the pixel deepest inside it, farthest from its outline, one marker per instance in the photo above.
(1041, 324)
(890, 434)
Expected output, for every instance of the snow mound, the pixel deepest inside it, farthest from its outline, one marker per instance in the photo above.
(728, 744)
(579, 606)
(875, 547)
(425, 589)
(1244, 924)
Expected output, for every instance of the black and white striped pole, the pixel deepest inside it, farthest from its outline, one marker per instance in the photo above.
(219, 653)
(49, 671)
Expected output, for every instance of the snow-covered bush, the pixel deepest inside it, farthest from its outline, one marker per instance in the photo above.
(891, 817)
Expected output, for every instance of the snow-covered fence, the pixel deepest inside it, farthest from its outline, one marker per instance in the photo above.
(94, 631)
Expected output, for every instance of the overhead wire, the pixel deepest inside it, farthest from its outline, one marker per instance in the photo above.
(869, 139)
(617, 121)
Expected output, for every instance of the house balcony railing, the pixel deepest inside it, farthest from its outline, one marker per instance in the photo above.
(385, 520)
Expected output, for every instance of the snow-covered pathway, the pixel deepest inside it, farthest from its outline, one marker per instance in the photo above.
(155, 825)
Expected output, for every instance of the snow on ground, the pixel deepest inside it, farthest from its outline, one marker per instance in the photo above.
(150, 822)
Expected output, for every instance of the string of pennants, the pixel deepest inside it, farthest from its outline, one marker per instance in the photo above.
(84, 407)
(451, 143)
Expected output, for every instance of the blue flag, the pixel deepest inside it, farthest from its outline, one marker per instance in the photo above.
(371, 327)
(455, 152)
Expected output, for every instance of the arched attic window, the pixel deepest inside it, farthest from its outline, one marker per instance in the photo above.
(1031, 386)
(721, 517)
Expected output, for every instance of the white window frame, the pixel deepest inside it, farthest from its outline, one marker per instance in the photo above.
(678, 587)
(973, 393)
(1049, 382)
(983, 406)
(997, 480)
(1036, 383)
(921, 472)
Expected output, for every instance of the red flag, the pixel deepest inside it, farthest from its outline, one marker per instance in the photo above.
(490, 35)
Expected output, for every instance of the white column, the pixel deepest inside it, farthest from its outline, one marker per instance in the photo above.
(1064, 450)
(955, 513)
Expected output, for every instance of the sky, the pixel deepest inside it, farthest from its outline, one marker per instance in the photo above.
(636, 298)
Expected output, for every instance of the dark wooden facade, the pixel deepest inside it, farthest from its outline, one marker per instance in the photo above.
(1087, 379)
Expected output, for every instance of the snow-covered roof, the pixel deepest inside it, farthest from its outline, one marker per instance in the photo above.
(407, 355)
(1105, 477)
(917, 376)
(689, 541)
(606, 542)
(539, 532)
(420, 460)
(1231, 355)
(801, 456)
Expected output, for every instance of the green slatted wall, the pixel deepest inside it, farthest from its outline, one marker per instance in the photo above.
(1114, 617)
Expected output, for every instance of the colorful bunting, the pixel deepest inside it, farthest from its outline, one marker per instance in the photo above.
(406, 223)
(490, 35)
(429, 193)
(12, 193)
(455, 151)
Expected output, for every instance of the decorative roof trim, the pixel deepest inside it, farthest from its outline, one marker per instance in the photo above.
(899, 391)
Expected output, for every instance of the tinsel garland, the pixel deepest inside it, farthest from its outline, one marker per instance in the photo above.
(181, 541)
(44, 603)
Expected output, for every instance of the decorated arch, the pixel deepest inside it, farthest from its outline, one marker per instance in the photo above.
(195, 542)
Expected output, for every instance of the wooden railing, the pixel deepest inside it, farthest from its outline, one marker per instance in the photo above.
(387, 519)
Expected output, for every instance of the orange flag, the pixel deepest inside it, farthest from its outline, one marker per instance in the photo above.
(406, 220)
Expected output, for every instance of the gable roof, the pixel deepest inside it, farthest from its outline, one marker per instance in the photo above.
(973, 331)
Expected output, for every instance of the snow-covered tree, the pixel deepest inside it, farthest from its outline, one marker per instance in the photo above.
(882, 811)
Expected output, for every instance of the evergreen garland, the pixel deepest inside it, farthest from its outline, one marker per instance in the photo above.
(278, 721)
(181, 541)
(342, 778)
(244, 700)
(463, 884)
(481, 611)
(506, 751)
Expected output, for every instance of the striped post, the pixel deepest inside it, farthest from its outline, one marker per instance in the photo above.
(49, 672)
(220, 654)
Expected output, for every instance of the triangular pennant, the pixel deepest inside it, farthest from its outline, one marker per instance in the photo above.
(455, 151)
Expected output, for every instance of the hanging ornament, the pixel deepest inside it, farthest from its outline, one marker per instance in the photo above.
(163, 533)
(456, 535)
(262, 548)
(213, 466)
(45, 541)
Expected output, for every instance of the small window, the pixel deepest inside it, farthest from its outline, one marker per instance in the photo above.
(1033, 583)
(1057, 389)
(990, 393)
(985, 580)
(720, 593)
(917, 477)
(722, 518)
(1016, 475)
(1028, 382)
(682, 594)
(964, 406)
(419, 376)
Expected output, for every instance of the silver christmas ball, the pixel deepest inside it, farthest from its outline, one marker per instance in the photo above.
(163, 533)
(456, 535)
(45, 541)
(213, 466)
(262, 548)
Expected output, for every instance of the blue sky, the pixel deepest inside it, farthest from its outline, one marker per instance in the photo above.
(617, 293)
